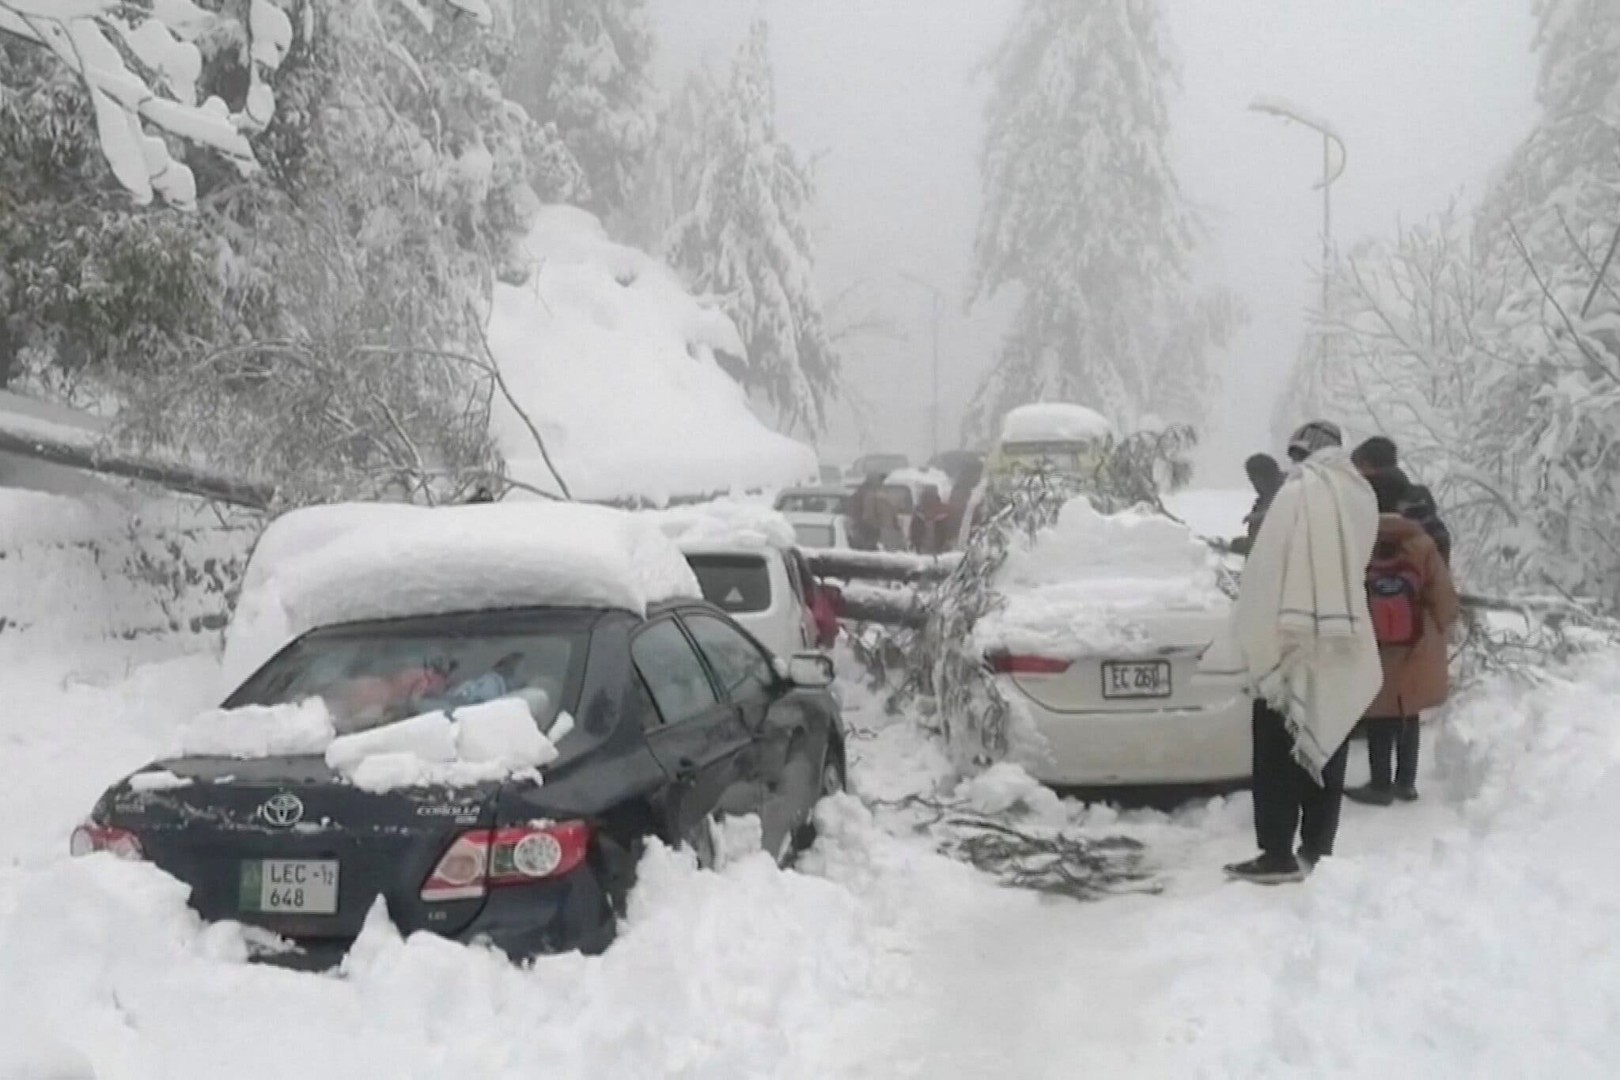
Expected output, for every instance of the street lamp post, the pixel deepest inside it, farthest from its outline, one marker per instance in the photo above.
(937, 295)
(1330, 139)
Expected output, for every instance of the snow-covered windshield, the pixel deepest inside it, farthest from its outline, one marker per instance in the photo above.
(374, 674)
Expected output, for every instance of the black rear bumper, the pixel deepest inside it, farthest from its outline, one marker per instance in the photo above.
(524, 922)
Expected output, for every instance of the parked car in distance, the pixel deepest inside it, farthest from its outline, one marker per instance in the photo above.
(663, 716)
(813, 500)
(1063, 438)
(815, 530)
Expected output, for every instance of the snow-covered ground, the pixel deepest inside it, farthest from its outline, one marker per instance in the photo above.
(1468, 935)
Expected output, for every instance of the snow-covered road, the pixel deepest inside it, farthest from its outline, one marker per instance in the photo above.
(1468, 935)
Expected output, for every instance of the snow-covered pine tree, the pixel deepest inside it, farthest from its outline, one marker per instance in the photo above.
(746, 241)
(1490, 348)
(1084, 216)
(580, 69)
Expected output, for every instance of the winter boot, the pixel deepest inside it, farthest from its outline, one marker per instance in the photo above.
(1371, 794)
(1404, 792)
(1267, 869)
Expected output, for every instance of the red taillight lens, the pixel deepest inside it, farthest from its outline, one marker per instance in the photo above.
(1009, 664)
(516, 855)
(835, 597)
(88, 839)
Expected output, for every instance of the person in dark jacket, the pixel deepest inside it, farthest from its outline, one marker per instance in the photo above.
(1266, 476)
(930, 523)
(1379, 454)
(1416, 676)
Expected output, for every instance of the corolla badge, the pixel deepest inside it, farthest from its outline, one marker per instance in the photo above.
(283, 810)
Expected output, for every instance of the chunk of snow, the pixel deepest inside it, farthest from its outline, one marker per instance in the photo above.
(271, 32)
(325, 565)
(1055, 422)
(502, 731)
(428, 737)
(614, 361)
(158, 780)
(467, 745)
(1116, 583)
(256, 731)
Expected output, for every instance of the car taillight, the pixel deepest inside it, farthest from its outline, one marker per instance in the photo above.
(88, 839)
(1011, 664)
(515, 855)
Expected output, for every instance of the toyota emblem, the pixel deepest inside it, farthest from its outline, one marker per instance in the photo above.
(283, 810)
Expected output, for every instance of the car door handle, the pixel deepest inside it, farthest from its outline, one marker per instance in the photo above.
(685, 769)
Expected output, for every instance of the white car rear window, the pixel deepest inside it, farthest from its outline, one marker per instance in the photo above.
(737, 584)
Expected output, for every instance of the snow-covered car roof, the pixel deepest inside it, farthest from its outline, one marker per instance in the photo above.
(724, 524)
(1054, 421)
(327, 565)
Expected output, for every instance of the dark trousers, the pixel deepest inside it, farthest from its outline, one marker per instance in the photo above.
(1396, 737)
(1286, 798)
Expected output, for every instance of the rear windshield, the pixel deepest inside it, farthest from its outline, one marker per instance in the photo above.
(812, 502)
(1070, 458)
(814, 536)
(376, 673)
(738, 584)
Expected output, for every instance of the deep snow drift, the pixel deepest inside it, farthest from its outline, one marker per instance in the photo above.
(614, 363)
(1468, 935)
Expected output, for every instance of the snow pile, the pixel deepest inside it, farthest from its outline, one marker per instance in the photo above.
(477, 743)
(257, 731)
(1456, 941)
(1094, 582)
(80, 571)
(724, 523)
(1055, 422)
(467, 745)
(614, 362)
(325, 565)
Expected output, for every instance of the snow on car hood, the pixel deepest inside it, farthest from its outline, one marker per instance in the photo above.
(1092, 582)
(468, 745)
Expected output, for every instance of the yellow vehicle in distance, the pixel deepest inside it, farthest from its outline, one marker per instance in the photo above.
(1068, 440)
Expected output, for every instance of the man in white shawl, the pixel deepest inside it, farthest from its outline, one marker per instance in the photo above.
(1301, 620)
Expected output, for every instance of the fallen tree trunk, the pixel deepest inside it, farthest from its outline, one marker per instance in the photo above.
(893, 566)
(887, 607)
(76, 448)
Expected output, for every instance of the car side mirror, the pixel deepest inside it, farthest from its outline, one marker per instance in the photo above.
(811, 671)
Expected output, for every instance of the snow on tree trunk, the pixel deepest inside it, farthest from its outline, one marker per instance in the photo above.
(745, 240)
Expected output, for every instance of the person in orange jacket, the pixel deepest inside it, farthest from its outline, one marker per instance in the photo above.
(1413, 604)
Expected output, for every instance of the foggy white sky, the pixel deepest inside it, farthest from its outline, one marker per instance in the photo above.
(1429, 95)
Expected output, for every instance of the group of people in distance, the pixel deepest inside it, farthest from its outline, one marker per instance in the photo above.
(936, 521)
(1343, 616)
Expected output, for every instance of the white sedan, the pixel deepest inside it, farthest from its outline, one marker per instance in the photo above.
(1113, 644)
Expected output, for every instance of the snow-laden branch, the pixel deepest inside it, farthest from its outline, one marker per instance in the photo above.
(97, 39)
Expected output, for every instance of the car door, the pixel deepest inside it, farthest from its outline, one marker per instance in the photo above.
(700, 739)
(786, 766)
